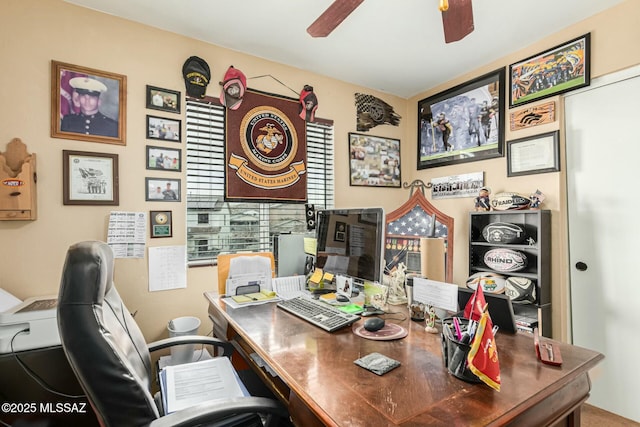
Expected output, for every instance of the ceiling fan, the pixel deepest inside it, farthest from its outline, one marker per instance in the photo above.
(457, 18)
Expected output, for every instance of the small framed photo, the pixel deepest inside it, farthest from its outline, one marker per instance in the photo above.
(344, 285)
(160, 224)
(89, 178)
(162, 190)
(88, 104)
(163, 99)
(374, 161)
(534, 154)
(164, 159)
(340, 232)
(164, 129)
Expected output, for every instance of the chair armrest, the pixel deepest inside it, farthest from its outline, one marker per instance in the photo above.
(226, 347)
(208, 412)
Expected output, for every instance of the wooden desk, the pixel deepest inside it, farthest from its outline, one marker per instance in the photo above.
(322, 386)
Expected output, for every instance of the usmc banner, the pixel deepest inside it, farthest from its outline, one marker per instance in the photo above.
(266, 151)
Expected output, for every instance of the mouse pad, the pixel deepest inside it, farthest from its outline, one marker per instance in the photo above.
(390, 331)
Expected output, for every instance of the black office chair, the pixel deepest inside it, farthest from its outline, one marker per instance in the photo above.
(108, 353)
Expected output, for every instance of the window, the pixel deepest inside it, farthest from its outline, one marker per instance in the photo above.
(215, 226)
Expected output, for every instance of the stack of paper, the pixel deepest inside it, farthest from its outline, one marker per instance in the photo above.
(7, 300)
(189, 384)
(254, 297)
(290, 286)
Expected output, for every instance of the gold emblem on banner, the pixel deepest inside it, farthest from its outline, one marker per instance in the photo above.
(269, 144)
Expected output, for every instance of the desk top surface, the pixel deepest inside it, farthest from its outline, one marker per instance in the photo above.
(319, 367)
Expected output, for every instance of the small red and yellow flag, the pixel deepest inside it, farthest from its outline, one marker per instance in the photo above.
(483, 356)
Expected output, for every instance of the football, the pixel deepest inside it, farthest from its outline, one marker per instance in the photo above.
(505, 260)
(520, 290)
(503, 232)
(493, 283)
(509, 201)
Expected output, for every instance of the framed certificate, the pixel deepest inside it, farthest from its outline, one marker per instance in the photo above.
(89, 178)
(534, 154)
(160, 224)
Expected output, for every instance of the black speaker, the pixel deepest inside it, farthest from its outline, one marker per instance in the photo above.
(310, 214)
(308, 265)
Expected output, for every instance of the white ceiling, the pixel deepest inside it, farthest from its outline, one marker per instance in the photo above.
(395, 46)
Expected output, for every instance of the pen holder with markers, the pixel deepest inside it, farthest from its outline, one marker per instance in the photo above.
(455, 351)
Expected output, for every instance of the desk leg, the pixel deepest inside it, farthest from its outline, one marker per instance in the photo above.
(574, 419)
(300, 413)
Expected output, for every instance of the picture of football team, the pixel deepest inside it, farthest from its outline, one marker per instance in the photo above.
(469, 120)
(560, 68)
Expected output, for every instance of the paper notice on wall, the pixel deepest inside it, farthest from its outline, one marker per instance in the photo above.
(167, 268)
(127, 234)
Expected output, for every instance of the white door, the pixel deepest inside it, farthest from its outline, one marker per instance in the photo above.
(603, 186)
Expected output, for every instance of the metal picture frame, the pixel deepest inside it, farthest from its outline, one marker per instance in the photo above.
(464, 123)
(88, 104)
(164, 159)
(534, 154)
(374, 161)
(163, 99)
(164, 128)
(162, 190)
(89, 178)
(557, 70)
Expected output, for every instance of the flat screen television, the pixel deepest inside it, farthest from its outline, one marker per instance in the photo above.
(351, 242)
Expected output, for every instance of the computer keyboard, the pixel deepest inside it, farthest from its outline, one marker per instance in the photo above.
(318, 313)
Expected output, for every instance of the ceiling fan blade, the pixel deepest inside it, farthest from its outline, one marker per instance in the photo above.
(457, 21)
(332, 17)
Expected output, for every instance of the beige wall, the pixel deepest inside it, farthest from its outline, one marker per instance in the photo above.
(33, 33)
(612, 32)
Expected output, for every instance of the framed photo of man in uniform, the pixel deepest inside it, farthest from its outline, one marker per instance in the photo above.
(88, 104)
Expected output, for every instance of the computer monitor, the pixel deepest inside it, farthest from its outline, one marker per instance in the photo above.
(351, 242)
(500, 308)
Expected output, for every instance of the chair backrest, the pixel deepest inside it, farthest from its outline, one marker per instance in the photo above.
(102, 341)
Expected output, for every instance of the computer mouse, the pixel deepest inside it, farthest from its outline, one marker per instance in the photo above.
(373, 324)
(342, 298)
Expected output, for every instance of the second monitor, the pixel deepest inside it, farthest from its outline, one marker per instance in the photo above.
(350, 242)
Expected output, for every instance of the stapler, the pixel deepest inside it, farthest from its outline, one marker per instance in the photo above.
(547, 352)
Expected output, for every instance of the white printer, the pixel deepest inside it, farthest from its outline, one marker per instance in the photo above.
(37, 315)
